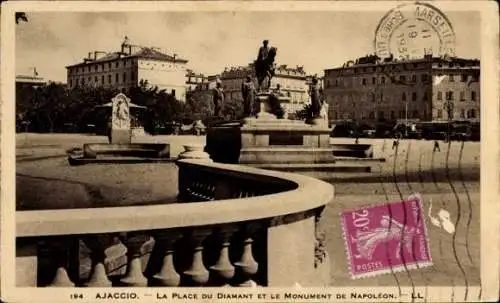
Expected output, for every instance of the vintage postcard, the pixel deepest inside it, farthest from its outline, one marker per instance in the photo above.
(249, 151)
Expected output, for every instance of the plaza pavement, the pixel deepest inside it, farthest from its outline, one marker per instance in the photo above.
(414, 168)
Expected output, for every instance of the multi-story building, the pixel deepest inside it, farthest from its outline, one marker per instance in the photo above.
(427, 89)
(292, 82)
(130, 66)
(29, 81)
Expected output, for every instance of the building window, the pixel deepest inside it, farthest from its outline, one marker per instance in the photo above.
(132, 76)
(372, 97)
(70, 83)
(393, 115)
(109, 79)
(472, 113)
(336, 82)
(425, 97)
(413, 78)
(83, 81)
(414, 96)
(381, 115)
(473, 95)
(440, 96)
(116, 64)
(383, 80)
(462, 96)
(449, 95)
(402, 114)
(109, 64)
(462, 113)
(124, 77)
(102, 79)
(90, 79)
(415, 114)
(335, 116)
(440, 113)
(363, 81)
(95, 79)
(374, 80)
(402, 78)
(95, 67)
(117, 78)
(372, 115)
(424, 78)
(464, 78)
(403, 97)
(452, 78)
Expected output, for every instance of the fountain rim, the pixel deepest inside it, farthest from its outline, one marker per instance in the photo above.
(309, 193)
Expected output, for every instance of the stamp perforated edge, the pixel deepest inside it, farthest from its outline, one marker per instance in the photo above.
(415, 265)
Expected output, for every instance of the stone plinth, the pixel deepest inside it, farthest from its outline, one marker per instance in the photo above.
(121, 136)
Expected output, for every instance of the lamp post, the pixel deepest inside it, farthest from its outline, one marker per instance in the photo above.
(449, 110)
(406, 119)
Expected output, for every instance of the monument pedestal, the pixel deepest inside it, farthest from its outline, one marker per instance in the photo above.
(121, 136)
(282, 141)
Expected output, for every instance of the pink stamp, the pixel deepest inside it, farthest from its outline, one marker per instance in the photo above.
(386, 237)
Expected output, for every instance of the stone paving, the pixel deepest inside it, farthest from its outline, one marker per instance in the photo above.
(455, 189)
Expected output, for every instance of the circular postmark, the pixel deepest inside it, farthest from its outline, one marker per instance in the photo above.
(413, 30)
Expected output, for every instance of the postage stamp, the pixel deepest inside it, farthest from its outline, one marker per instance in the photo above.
(413, 30)
(386, 237)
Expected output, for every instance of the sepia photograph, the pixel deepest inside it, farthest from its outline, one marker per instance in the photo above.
(214, 151)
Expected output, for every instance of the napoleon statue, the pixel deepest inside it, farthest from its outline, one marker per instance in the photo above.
(264, 65)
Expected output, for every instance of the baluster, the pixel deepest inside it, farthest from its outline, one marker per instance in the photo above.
(134, 275)
(223, 268)
(167, 276)
(98, 245)
(61, 250)
(247, 264)
(197, 274)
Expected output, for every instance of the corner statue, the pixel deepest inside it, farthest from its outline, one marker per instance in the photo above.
(248, 91)
(264, 65)
(218, 99)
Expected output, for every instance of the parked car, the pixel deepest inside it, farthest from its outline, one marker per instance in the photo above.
(366, 131)
(346, 129)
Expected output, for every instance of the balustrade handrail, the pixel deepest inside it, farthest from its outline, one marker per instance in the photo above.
(305, 193)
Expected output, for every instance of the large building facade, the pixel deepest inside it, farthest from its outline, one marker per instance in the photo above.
(427, 89)
(129, 67)
(292, 82)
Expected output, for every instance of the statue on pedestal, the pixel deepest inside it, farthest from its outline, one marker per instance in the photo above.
(264, 65)
(218, 99)
(316, 102)
(248, 91)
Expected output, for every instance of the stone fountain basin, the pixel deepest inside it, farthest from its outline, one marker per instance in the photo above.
(147, 150)
(53, 184)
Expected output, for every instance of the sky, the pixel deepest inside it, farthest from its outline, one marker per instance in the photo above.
(211, 41)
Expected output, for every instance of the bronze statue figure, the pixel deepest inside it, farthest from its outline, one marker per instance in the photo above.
(248, 91)
(264, 65)
(218, 99)
(315, 98)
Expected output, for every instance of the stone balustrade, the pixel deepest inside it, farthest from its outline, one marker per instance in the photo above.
(233, 225)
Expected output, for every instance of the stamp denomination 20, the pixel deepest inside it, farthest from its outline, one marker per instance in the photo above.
(413, 30)
(387, 236)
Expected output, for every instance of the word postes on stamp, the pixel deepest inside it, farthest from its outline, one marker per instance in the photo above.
(413, 30)
(386, 238)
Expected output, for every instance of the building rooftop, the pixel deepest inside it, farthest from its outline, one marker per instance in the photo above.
(373, 60)
(29, 79)
(139, 52)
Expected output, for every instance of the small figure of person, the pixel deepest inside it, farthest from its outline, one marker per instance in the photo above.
(218, 99)
(248, 91)
(436, 146)
(395, 144)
